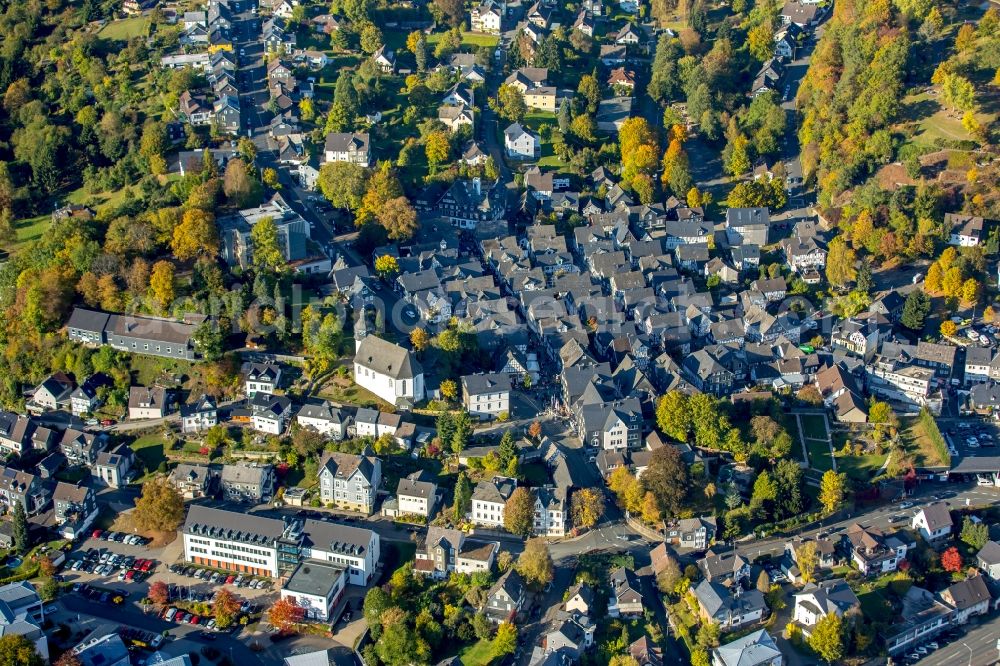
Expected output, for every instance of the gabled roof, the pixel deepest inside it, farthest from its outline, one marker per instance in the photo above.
(344, 465)
(831, 596)
(342, 142)
(936, 515)
(967, 593)
(386, 358)
(625, 585)
(497, 490)
(989, 554)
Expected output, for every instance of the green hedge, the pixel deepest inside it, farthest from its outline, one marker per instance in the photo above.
(937, 439)
(17, 578)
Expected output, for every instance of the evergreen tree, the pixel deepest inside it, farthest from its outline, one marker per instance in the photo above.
(864, 280)
(463, 496)
(915, 310)
(22, 542)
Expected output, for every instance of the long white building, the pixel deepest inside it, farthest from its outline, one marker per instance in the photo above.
(273, 547)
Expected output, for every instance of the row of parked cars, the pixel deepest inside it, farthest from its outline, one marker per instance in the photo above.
(100, 595)
(219, 577)
(120, 537)
(183, 617)
(104, 563)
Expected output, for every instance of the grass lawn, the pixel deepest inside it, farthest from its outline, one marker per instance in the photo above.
(30, 229)
(930, 121)
(862, 467)
(73, 475)
(534, 119)
(874, 605)
(125, 29)
(149, 449)
(918, 443)
(534, 474)
(813, 426)
(874, 595)
(354, 395)
(819, 455)
(150, 369)
(468, 39)
(477, 654)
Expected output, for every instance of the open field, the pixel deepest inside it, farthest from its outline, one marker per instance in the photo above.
(125, 29)
(928, 119)
(468, 39)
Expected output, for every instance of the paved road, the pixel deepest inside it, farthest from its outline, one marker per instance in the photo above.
(976, 648)
(144, 424)
(955, 495)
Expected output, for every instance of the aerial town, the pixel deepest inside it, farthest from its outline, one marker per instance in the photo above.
(491, 333)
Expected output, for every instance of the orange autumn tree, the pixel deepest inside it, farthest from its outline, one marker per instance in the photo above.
(285, 614)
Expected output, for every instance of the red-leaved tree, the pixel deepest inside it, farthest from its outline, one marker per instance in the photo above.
(159, 593)
(227, 608)
(284, 614)
(951, 560)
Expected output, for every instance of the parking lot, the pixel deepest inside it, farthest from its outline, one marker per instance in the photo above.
(972, 437)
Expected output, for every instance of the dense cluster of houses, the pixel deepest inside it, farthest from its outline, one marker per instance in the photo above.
(728, 596)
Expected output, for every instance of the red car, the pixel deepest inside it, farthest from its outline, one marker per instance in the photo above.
(229, 580)
(130, 576)
(147, 565)
(97, 534)
(194, 619)
(137, 565)
(107, 422)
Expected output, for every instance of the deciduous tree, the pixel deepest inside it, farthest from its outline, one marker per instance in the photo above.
(505, 641)
(672, 415)
(226, 607)
(285, 614)
(437, 148)
(831, 490)
(535, 563)
(667, 479)
(449, 389)
(195, 236)
(16, 650)
(343, 184)
(161, 284)
(160, 508)
(420, 339)
(398, 218)
(587, 507)
(239, 186)
(159, 593)
(827, 638)
(807, 560)
(519, 512)
(840, 263)
(267, 253)
(387, 268)
(509, 103)
(951, 560)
